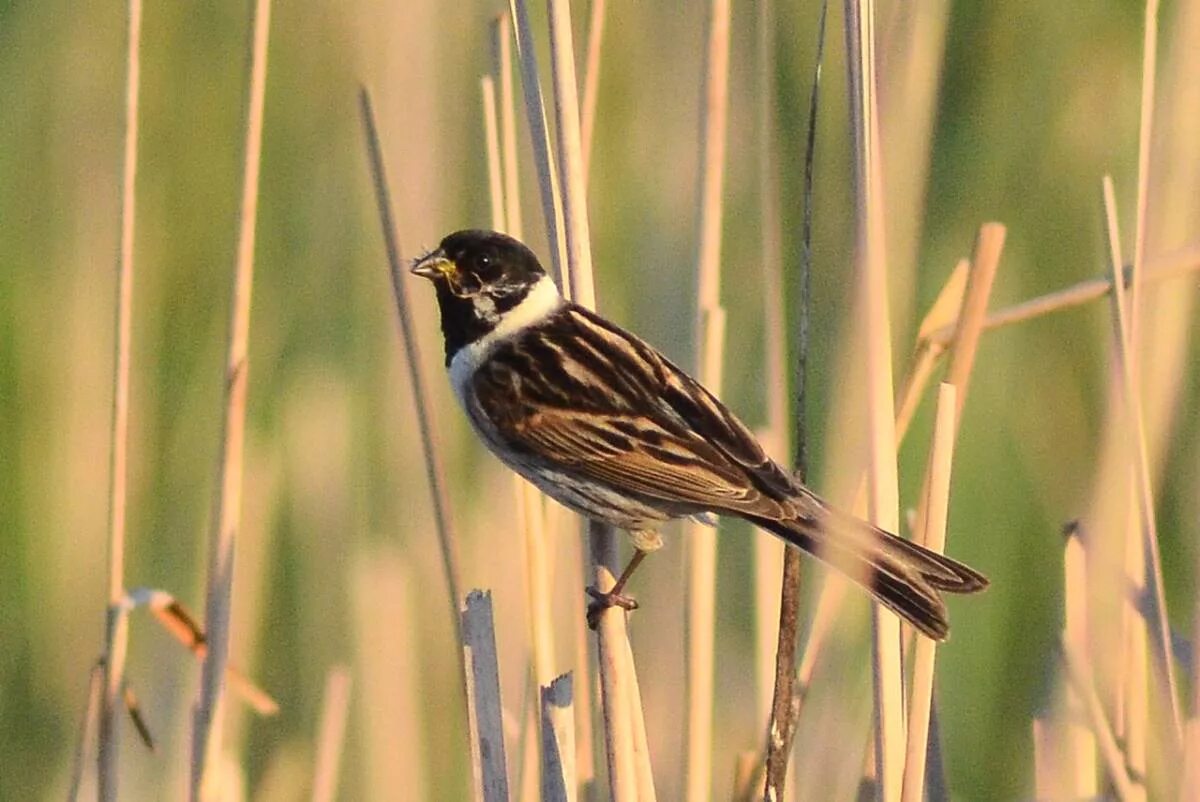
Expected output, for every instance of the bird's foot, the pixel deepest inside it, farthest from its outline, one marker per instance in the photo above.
(601, 601)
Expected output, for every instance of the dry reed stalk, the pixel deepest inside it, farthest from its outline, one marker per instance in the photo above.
(424, 406)
(180, 624)
(1156, 615)
(985, 260)
(1136, 722)
(487, 87)
(1161, 268)
(934, 538)
(251, 575)
(883, 497)
(1190, 787)
(532, 522)
(502, 49)
(1145, 134)
(87, 729)
(116, 640)
(591, 82)
(785, 704)
(616, 695)
(530, 503)
(530, 508)
(701, 548)
(1046, 769)
(484, 708)
(539, 134)
(569, 151)
(616, 677)
(530, 511)
(949, 303)
(558, 741)
(388, 659)
(1131, 710)
(769, 551)
(641, 743)
(502, 66)
(1079, 672)
(911, 50)
(747, 777)
(206, 740)
(585, 757)
(1080, 742)
(946, 308)
(331, 734)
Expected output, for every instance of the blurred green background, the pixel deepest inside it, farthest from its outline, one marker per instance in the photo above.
(1008, 112)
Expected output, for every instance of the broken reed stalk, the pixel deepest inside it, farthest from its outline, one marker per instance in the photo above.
(181, 625)
(116, 620)
(485, 716)
(701, 540)
(934, 538)
(558, 740)
(883, 496)
(591, 82)
(331, 736)
(206, 738)
(1156, 614)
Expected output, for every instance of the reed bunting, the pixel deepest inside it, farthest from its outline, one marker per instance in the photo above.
(606, 425)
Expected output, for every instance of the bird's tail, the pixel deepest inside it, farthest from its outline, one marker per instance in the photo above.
(904, 577)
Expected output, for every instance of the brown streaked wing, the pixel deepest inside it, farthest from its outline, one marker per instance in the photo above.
(621, 414)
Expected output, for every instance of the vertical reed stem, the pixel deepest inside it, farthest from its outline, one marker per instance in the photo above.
(227, 506)
(710, 346)
(116, 620)
(882, 499)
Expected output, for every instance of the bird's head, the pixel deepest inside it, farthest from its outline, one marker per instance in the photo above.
(471, 263)
(480, 277)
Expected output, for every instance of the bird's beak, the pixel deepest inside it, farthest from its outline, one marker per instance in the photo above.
(433, 265)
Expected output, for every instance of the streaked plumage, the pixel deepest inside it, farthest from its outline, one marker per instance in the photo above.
(605, 424)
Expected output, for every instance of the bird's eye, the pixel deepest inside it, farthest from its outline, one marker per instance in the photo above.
(487, 266)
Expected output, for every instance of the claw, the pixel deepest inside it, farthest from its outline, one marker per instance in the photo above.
(602, 601)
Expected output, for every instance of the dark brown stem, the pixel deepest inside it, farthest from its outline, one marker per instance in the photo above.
(781, 727)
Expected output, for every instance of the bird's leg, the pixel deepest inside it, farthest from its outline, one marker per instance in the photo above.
(644, 542)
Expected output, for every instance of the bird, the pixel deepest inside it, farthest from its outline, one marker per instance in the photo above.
(608, 426)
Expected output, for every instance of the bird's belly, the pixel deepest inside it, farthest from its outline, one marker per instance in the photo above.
(597, 501)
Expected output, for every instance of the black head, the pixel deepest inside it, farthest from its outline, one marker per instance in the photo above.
(478, 275)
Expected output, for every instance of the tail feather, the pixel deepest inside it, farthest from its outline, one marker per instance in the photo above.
(904, 577)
